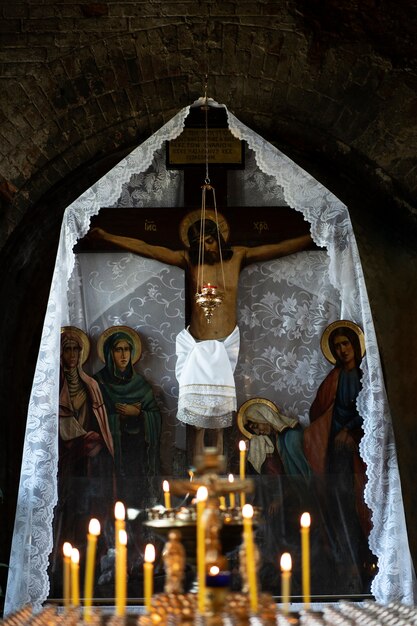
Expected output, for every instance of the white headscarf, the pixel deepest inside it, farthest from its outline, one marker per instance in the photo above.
(261, 445)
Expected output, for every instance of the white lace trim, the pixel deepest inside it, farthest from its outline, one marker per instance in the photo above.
(330, 226)
(187, 415)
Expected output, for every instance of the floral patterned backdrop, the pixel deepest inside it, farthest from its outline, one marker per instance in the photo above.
(283, 308)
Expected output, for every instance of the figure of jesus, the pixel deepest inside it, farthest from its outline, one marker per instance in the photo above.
(207, 352)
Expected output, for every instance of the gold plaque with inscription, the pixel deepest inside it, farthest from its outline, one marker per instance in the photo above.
(190, 148)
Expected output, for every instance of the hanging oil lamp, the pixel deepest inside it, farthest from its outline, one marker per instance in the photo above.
(208, 299)
(207, 295)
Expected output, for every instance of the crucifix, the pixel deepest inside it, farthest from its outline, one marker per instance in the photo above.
(207, 349)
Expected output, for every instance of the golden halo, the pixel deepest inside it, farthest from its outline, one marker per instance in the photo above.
(241, 414)
(82, 337)
(324, 342)
(137, 344)
(195, 216)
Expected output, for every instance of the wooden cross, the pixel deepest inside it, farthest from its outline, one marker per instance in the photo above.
(249, 226)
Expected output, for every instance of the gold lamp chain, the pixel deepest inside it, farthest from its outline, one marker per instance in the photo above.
(218, 238)
(206, 295)
(200, 272)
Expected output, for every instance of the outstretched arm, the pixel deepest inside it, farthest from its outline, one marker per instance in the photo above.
(275, 250)
(159, 253)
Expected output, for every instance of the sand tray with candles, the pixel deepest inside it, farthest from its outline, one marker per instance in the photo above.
(212, 602)
(343, 613)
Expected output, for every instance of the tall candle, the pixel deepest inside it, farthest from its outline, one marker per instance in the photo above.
(232, 498)
(247, 513)
(286, 565)
(119, 524)
(201, 498)
(121, 568)
(305, 522)
(167, 495)
(242, 463)
(67, 549)
(93, 533)
(242, 458)
(148, 575)
(75, 577)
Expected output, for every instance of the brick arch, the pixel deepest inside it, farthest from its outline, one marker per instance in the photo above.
(99, 96)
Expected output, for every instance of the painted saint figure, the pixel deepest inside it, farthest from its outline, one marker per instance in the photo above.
(207, 352)
(134, 417)
(86, 454)
(331, 442)
(331, 445)
(275, 440)
(86, 443)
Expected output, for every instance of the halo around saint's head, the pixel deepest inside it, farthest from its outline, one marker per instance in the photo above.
(137, 344)
(242, 415)
(324, 342)
(195, 216)
(82, 338)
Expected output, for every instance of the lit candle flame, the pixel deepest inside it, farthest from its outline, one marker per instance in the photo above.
(149, 553)
(67, 549)
(202, 494)
(123, 537)
(119, 511)
(247, 511)
(242, 445)
(75, 556)
(214, 570)
(305, 520)
(94, 527)
(286, 562)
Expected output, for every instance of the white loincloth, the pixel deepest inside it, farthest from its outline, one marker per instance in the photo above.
(204, 370)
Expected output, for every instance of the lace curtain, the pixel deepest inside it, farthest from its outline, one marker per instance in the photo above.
(278, 299)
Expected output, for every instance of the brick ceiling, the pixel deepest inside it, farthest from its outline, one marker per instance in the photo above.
(331, 83)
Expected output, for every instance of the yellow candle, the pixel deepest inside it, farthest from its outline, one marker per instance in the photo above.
(121, 569)
(93, 533)
(232, 498)
(119, 524)
(67, 549)
(75, 577)
(148, 575)
(242, 462)
(222, 502)
(242, 459)
(167, 495)
(305, 522)
(286, 565)
(247, 513)
(201, 498)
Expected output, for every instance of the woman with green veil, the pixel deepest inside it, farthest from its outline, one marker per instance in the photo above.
(134, 417)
